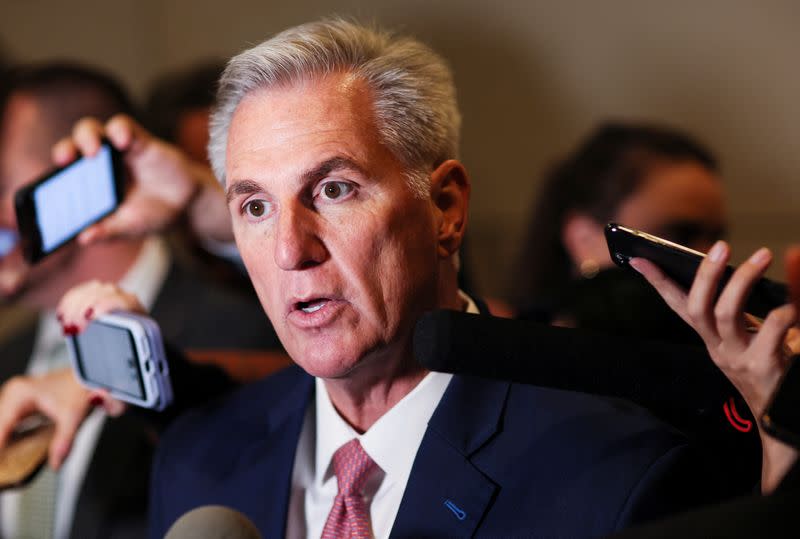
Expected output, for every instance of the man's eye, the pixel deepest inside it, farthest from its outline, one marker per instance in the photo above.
(334, 190)
(255, 208)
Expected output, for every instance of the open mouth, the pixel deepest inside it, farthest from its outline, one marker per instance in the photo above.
(311, 306)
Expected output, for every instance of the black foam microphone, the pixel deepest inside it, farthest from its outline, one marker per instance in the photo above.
(675, 382)
(213, 522)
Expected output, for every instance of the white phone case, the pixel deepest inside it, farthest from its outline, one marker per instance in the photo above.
(150, 360)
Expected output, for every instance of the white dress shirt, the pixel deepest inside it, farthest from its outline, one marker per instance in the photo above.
(392, 442)
(144, 279)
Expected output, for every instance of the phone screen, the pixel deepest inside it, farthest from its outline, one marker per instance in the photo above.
(74, 198)
(107, 356)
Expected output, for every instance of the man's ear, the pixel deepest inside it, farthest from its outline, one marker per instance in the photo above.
(450, 190)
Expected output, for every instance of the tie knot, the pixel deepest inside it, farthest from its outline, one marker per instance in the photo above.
(352, 467)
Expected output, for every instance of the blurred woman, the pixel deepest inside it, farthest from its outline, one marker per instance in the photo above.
(645, 177)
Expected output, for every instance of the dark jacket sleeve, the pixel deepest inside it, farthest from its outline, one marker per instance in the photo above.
(193, 384)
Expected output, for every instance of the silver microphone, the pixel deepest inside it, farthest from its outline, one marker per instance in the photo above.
(213, 522)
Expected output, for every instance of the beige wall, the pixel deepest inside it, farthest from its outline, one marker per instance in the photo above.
(533, 77)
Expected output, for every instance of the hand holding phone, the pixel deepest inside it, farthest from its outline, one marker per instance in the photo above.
(54, 209)
(680, 264)
(164, 183)
(123, 353)
(753, 358)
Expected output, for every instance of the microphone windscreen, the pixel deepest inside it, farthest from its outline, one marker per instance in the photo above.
(676, 382)
(213, 522)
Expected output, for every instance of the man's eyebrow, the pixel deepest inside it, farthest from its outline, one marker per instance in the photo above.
(333, 164)
(313, 175)
(241, 187)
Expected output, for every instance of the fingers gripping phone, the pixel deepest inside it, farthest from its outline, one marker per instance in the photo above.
(123, 353)
(680, 264)
(55, 208)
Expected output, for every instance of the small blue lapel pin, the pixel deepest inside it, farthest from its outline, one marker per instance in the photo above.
(457, 511)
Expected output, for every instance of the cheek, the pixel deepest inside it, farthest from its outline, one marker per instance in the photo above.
(401, 258)
(256, 254)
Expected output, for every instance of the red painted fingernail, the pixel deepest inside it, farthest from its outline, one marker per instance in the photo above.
(71, 329)
(88, 314)
(96, 400)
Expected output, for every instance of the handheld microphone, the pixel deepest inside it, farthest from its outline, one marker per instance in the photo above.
(213, 522)
(676, 382)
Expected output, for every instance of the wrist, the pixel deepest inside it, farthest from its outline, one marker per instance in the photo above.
(777, 458)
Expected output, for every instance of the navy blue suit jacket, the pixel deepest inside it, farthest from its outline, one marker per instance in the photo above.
(497, 460)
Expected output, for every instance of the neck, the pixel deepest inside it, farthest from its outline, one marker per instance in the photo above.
(362, 402)
(385, 379)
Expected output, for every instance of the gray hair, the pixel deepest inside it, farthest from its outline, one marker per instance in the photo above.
(412, 87)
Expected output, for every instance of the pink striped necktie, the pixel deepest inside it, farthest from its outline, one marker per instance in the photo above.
(349, 517)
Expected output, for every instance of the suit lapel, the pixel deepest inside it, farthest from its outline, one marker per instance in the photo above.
(447, 495)
(263, 475)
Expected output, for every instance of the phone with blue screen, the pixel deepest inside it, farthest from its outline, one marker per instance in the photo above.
(54, 209)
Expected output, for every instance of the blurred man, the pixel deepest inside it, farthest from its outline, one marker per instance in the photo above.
(101, 489)
(177, 109)
(179, 104)
(338, 148)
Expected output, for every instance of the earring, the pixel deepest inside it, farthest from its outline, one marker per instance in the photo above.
(589, 268)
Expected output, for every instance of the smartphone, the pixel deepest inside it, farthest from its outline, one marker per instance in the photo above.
(782, 416)
(680, 264)
(55, 208)
(123, 353)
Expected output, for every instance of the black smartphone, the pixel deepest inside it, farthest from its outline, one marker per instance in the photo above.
(55, 208)
(680, 264)
(781, 418)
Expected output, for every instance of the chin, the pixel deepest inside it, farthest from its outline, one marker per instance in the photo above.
(326, 360)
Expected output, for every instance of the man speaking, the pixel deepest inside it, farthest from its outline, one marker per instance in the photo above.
(337, 146)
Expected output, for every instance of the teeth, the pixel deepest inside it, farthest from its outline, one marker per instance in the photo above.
(313, 308)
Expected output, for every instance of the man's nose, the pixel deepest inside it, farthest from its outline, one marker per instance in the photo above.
(298, 245)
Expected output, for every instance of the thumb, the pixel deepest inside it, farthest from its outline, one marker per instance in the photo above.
(112, 406)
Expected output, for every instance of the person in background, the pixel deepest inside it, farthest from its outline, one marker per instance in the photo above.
(642, 176)
(101, 489)
(177, 109)
(178, 105)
